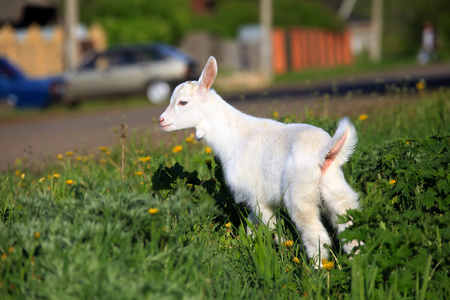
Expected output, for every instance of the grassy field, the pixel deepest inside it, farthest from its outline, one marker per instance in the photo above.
(135, 222)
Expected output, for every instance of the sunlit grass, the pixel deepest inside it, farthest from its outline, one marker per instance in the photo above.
(134, 222)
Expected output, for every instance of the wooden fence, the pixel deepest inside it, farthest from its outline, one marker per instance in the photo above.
(300, 48)
(39, 55)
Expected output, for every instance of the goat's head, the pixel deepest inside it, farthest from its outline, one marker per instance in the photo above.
(186, 108)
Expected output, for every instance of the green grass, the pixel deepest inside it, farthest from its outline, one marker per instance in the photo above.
(133, 222)
(361, 66)
(90, 105)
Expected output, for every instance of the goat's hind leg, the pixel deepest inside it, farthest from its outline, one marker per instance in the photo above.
(302, 204)
(338, 197)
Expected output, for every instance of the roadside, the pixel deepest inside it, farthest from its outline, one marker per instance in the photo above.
(36, 136)
(250, 85)
(36, 141)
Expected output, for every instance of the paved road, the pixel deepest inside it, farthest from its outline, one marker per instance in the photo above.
(37, 138)
(380, 82)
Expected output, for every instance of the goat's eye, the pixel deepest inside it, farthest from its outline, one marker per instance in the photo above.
(182, 103)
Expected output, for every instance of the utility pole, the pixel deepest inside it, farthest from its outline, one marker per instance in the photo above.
(71, 40)
(265, 21)
(346, 9)
(376, 30)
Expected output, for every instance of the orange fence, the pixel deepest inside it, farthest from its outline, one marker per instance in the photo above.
(39, 55)
(298, 49)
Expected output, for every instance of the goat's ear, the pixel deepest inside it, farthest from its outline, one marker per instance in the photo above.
(209, 74)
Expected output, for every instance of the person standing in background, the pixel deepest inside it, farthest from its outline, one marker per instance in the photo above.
(428, 42)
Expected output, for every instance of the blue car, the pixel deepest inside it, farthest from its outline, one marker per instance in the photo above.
(20, 91)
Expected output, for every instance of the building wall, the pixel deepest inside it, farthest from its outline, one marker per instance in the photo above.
(40, 52)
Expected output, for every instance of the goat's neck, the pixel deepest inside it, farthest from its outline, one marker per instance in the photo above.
(224, 126)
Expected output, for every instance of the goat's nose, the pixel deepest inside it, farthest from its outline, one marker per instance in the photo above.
(161, 119)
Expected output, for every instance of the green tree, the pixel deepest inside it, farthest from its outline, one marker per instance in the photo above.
(133, 21)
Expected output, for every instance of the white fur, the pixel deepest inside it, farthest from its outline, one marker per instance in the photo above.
(267, 163)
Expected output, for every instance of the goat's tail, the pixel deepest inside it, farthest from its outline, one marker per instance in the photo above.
(341, 146)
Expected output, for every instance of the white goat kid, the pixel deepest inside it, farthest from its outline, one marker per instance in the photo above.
(266, 162)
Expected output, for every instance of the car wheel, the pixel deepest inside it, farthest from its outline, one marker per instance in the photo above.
(12, 100)
(158, 92)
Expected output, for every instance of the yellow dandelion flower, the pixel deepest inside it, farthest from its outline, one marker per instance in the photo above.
(177, 149)
(144, 159)
(275, 114)
(17, 173)
(152, 211)
(138, 173)
(103, 161)
(287, 270)
(70, 182)
(228, 225)
(421, 85)
(189, 140)
(407, 143)
(79, 158)
(103, 149)
(4, 256)
(69, 153)
(327, 265)
(296, 260)
(59, 157)
(392, 181)
(208, 150)
(22, 176)
(37, 235)
(288, 243)
(56, 175)
(11, 249)
(363, 117)
(42, 180)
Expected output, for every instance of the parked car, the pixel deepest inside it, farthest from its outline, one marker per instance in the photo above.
(18, 90)
(153, 69)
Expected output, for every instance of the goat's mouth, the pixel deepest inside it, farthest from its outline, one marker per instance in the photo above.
(165, 126)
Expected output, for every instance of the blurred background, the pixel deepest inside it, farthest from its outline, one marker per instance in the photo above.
(72, 71)
(94, 48)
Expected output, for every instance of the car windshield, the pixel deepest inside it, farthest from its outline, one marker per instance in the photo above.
(173, 52)
(125, 56)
